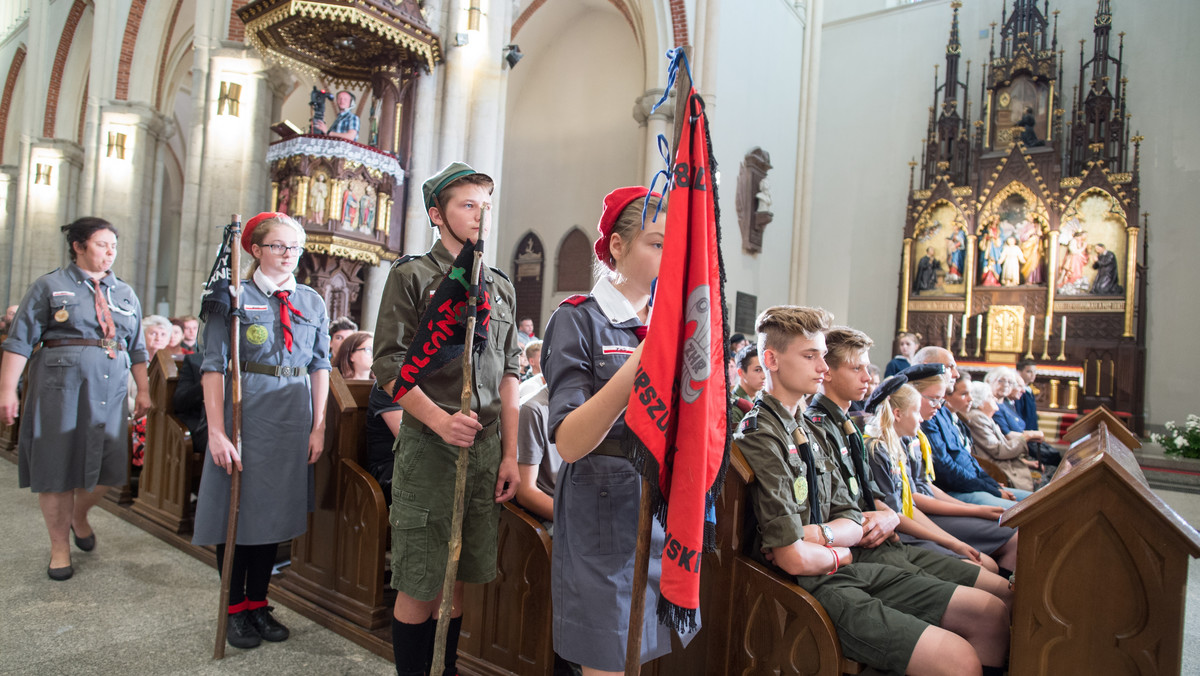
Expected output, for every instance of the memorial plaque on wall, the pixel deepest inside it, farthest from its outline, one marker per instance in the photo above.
(745, 312)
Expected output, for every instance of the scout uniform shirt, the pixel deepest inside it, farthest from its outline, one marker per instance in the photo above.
(410, 285)
(832, 431)
(780, 493)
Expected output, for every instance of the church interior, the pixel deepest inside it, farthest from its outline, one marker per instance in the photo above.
(1010, 179)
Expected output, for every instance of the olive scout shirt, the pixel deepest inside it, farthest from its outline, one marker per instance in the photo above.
(779, 492)
(829, 431)
(410, 285)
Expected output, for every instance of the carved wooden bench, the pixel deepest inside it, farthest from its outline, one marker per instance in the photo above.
(171, 467)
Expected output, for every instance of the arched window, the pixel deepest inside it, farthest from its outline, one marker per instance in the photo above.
(528, 269)
(574, 266)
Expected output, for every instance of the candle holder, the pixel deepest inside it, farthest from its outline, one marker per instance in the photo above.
(1062, 349)
(1046, 342)
(962, 346)
(1029, 352)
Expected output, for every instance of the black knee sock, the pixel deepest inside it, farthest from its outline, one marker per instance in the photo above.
(237, 575)
(430, 637)
(260, 561)
(993, 671)
(452, 634)
(408, 648)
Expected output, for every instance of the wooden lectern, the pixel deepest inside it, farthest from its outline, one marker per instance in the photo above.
(1102, 568)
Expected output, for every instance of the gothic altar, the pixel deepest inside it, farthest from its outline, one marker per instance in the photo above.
(1022, 238)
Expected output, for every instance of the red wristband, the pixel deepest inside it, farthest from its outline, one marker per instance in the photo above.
(836, 564)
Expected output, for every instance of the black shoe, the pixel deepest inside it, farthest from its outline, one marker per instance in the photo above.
(240, 631)
(60, 574)
(86, 544)
(266, 626)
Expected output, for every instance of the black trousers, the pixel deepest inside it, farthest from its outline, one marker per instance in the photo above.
(251, 572)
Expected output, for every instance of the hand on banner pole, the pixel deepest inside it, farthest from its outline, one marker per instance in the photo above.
(223, 452)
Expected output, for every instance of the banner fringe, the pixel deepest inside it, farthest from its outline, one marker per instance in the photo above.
(682, 620)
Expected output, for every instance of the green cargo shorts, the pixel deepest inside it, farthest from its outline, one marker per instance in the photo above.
(920, 560)
(422, 507)
(880, 611)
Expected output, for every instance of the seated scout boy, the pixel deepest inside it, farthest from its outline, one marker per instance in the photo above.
(433, 429)
(847, 381)
(886, 617)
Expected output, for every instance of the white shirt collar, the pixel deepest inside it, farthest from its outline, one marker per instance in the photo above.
(613, 303)
(268, 287)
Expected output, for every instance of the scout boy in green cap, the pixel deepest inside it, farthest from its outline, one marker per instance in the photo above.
(889, 618)
(433, 429)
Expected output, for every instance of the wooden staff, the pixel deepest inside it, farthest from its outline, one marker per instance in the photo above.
(641, 561)
(235, 480)
(460, 472)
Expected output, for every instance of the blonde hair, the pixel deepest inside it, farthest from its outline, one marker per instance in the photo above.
(533, 347)
(259, 236)
(628, 227)
(778, 325)
(882, 425)
(843, 341)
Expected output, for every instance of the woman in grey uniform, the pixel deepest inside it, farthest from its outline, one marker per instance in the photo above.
(284, 345)
(590, 354)
(74, 439)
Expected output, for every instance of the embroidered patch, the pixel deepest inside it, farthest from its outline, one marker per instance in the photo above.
(791, 450)
(843, 450)
(256, 308)
(256, 334)
(618, 349)
(56, 294)
(800, 488)
(854, 487)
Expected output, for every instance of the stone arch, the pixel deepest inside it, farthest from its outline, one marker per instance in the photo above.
(10, 85)
(573, 269)
(60, 62)
(166, 53)
(528, 276)
(128, 43)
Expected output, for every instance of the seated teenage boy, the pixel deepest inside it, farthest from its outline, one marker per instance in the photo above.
(848, 380)
(887, 617)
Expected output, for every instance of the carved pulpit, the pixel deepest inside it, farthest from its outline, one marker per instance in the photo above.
(348, 195)
(1029, 206)
(1101, 574)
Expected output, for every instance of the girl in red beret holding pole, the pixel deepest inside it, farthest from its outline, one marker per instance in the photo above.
(285, 382)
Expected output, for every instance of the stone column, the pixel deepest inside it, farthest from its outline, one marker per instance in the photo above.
(38, 245)
(658, 122)
(805, 151)
(372, 292)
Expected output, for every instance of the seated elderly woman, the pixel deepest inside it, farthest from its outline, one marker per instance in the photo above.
(1008, 451)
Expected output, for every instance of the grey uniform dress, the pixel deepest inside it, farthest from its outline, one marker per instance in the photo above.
(596, 499)
(75, 421)
(982, 534)
(277, 483)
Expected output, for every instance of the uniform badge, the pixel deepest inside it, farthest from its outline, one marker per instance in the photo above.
(256, 334)
(62, 315)
(854, 487)
(843, 451)
(800, 488)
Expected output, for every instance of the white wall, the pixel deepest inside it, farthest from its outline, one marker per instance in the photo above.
(876, 75)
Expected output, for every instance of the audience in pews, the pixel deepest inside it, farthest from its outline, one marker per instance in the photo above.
(889, 618)
(1007, 451)
(188, 402)
(908, 343)
(537, 457)
(339, 330)
(191, 331)
(353, 358)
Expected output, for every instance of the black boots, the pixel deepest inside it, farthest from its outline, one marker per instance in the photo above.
(266, 625)
(239, 631)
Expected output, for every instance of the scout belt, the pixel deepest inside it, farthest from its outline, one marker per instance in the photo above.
(108, 344)
(269, 370)
(412, 423)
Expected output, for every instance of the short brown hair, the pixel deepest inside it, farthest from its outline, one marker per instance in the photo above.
(482, 180)
(341, 360)
(842, 341)
(778, 325)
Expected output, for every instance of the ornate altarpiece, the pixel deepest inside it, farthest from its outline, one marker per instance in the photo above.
(1031, 212)
(348, 196)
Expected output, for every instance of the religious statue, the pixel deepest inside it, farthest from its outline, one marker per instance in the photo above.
(1028, 135)
(367, 211)
(956, 254)
(927, 270)
(285, 198)
(349, 209)
(318, 198)
(992, 247)
(1106, 282)
(1030, 237)
(1070, 274)
(1011, 258)
(764, 196)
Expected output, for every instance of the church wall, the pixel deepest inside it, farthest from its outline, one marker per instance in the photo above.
(757, 103)
(876, 87)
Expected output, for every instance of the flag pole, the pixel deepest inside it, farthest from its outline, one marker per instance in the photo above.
(460, 475)
(641, 561)
(235, 480)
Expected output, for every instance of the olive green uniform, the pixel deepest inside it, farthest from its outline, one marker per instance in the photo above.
(832, 431)
(423, 475)
(879, 610)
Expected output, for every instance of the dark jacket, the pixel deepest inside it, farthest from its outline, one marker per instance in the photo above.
(957, 471)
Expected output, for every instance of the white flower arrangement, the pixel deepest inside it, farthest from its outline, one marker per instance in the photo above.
(1183, 441)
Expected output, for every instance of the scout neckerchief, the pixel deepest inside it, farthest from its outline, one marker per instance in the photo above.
(107, 327)
(926, 455)
(286, 309)
(858, 452)
(906, 495)
(804, 448)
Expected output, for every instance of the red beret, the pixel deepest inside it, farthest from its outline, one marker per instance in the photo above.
(614, 203)
(248, 229)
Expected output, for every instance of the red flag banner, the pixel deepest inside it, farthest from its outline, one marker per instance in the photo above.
(678, 407)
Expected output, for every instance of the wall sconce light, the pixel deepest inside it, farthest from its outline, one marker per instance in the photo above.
(512, 54)
(42, 177)
(473, 14)
(116, 145)
(230, 99)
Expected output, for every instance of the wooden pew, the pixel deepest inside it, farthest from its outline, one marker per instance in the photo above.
(338, 564)
(1102, 567)
(171, 468)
